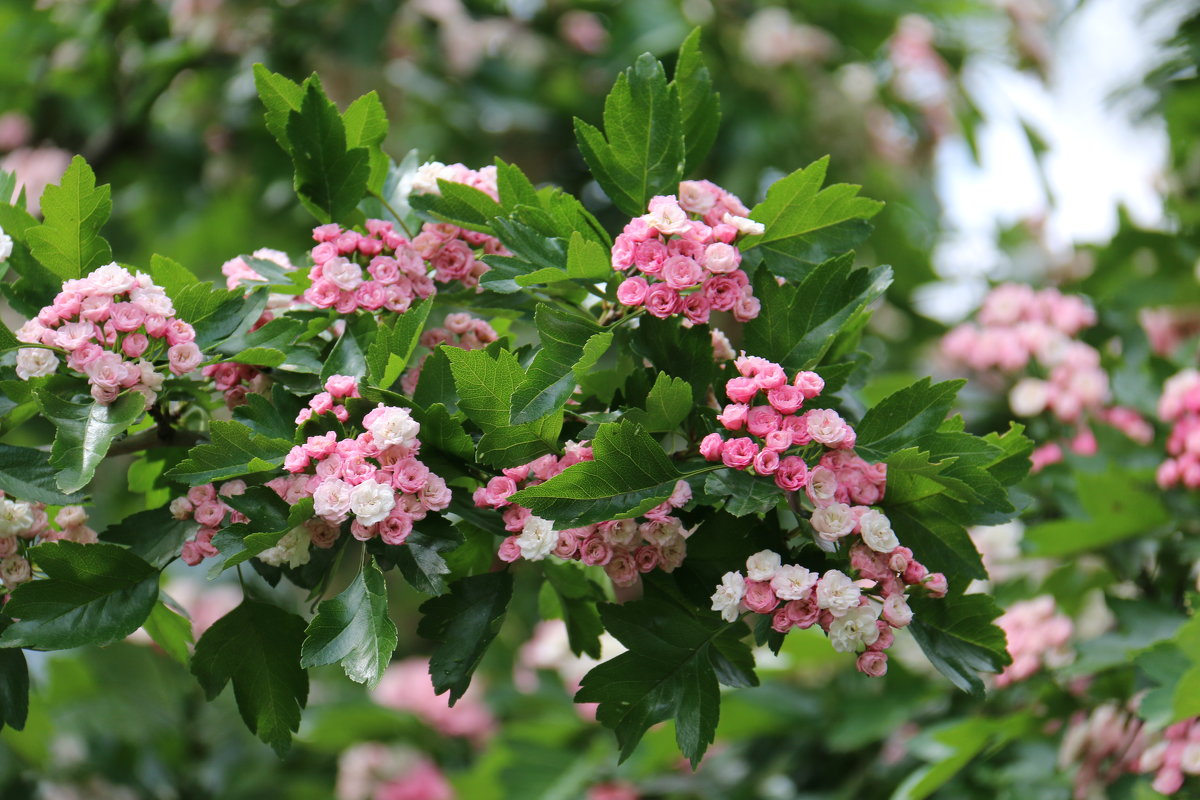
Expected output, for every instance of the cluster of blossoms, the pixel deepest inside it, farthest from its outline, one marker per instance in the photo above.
(1180, 406)
(204, 505)
(688, 265)
(396, 274)
(858, 615)
(624, 548)
(406, 686)
(1105, 744)
(1172, 755)
(374, 771)
(776, 426)
(460, 330)
(453, 251)
(1167, 328)
(236, 380)
(27, 521)
(1018, 325)
(112, 325)
(375, 477)
(1037, 634)
(338, 389)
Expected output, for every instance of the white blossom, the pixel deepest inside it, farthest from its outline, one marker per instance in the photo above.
(15, 517)
(833, 521)
(837, 593)
(763, 565)
(371, 502)
(793, 582)
(34, 362)
(855, 629)
(728, 596)
(394, 426)
(291, 550)
(876, 530)
(537, 539)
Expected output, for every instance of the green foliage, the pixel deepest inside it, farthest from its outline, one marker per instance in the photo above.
(170, 631)
(806, 224)
(798, 322)
(570, 344)
(154, 535)
(577, 596)
(1118, 505)
(699, 104)
(630, 475)
(684, 353)
(257, 646)
(902, 417)
(354, 628)
(957, 634)
(743, 493)
(27, 473)
(14, 689)
(68, 242)
(92, 594)
(675, 660)
(84, 432)
(464, 622)
(667, 404)
(393, 345)
(234, 450)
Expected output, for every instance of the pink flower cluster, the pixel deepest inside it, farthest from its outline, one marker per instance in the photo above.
(858, 615)
(624, 548)
(1105, 745)
(204, 506)
(1172, 755)
(405, 686)
(1037, 634)
(453, 251)
(338, 389)
(1169, 327)
(113, 325)
(374, 477)
(1018, 325)
(395, 273)
(460, 330)
(235, 380)
(1180, 406)
(22, 522)
(374, 771)
(687, 265)
(776, 426)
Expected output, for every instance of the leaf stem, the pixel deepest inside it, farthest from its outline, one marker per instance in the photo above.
(399, 219)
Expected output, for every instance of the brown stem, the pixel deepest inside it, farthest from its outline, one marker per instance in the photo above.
(154, 437)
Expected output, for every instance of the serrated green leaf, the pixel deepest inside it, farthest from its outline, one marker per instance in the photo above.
(685, 353)
(464, 622)
(641, 152)
(667, 405)
(699, 104)
(280, 96)
(346, 357)
(393, 345)
(269, 519)
(83, 433)
(904, 416)
(26, 473)
(153, 535)
(420, 559)
(330, 177)
(172, 276)
(578, 597)
(959, 638)
(933, 528)
(587, 260)
(630, 475)
(257, 647)
(367, 126)
(668, 672)
(798, 321)
(68, 242)
(355, 629)
(807, 224)
(92, 594)
(274, 417)
(233, 450)
(569, 342)
(14, 688)
(744, 493)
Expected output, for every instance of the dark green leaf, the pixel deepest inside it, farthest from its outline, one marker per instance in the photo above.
(83, 433)
(234, 450)
(684, 353)
(153, 535)
(330, 179)
(744, 493)
(957, 634)
(578, 597)
(26, 473)
(570, 343)
(667, 405)
(355, 629)
(14, 689)
(901, 418)
(464, 622)
(393, 345)
(92, 594)
(257, 646)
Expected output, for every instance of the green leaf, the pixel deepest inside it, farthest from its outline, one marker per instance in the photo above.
(958, 635)
(587, 260)
(464, 622)
(234, 450)
(346, 357)
(519, 444)
(570, 343)
(684, 353)
(170, 631)
(274, 418)
(807, 224)
(953, 746)
(257, 646)
(903, 417)
(798, 321)
(281, 97)
(934, 529)
(92, 594)
(667, 405)
(420, 559)
(367, 126)
(744, 493)
(26, 473)
(641, 153)
(14, 689)
(701, 106)
(578, 598)
(153, 535)
(68, 242)
(670, 671)
(355, 629)
(270, 518)
(1118, 506)
(437, 382)
(172, 276)
(630, 475)
(83, 433)
(330, 178)
(393, 345)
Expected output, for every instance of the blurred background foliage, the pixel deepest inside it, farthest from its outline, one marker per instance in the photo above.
(945, 109)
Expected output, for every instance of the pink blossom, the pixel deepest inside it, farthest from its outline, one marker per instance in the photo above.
(759, 597)
(662, 301)
(739, 453)
(711, 445)
(761, 420)
(632, 291)
(734, 416)
(766, 462)
(872, 663)
(792, 474)
(649, 256)
(741, 390)
(622, 252)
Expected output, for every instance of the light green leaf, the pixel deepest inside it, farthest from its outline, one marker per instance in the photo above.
(701, 106)
(234, 450)
(958, 635)
(281, 97)
(170, 631)
(1118, 505)
(570, 342)
(68, 242)
(667, 405)
(393, 345)
(330, 177)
